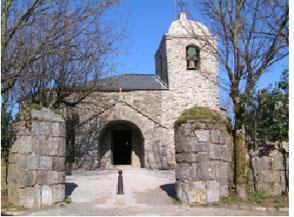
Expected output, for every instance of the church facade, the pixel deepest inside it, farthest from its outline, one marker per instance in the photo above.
(129, 120)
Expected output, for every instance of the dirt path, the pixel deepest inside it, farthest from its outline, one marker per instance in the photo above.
(147, 192)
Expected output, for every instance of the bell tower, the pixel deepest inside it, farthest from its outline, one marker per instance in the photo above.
(186, 62)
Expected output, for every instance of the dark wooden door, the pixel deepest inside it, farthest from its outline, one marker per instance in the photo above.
(121, 147)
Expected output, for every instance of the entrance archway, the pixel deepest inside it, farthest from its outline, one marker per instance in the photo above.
(120, 143)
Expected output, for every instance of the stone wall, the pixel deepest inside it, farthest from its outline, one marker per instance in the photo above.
(202, 162)
(269, 170)
(153, 111)
(36, 176)
(140, 108)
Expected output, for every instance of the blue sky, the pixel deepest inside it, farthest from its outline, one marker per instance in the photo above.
(147, 21)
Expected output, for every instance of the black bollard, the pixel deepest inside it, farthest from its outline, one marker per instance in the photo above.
(120, 185)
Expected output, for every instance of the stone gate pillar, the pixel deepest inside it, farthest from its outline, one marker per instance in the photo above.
(36, 171)
(202, 156)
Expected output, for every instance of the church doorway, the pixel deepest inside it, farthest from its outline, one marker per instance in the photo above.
(121, 147)
(120, 143)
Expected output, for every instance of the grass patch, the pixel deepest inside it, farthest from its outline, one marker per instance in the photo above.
(258, 197)
(201, 114)
(67, 200)
(231, 199)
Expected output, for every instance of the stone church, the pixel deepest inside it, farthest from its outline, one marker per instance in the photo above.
(129, 119)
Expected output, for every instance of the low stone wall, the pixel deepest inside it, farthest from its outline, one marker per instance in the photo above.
(202, 162)
(270, 171)
(36, 172)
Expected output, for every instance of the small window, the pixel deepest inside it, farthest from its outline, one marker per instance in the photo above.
(193, 57)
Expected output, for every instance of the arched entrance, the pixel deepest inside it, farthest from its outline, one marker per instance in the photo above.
(120, 143)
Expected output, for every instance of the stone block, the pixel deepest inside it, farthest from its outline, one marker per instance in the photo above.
(202, 135)
(213, 191)
(223, 138)
(35, 128)
(45, 162)
(180, 158)
(181, 191)
(193, 145)
(30, 178)
(61, 148)
(213, 151)
(26, 197)
(45, 128)
(180, 141)
(62, 163)
(21, 129)
(264, 187)
(25, 145)
(58, 193)
(11, 175)
(41, 177)
(183, 171)
(21, 163)
(217, 152)
(46, 196)
(215, 136)
(36, 146)
(53, 143)
(12, 158)
(32, 161)
(58, 129)
(62, 129)
(55, 163)
(37, 196)
(283, 177)
(15, 148)
(266, 176)
(197, 193)
(186, 129)
(278, 161)
(52, 177)
(13, 193)
(61, 177)
(202, 170)
(263, 163)
(271, 189)
(224, 191)
(191, 158)
(194, 171)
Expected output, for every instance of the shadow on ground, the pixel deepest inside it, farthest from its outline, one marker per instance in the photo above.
(69, 188)
(5, 214)
(170, 189)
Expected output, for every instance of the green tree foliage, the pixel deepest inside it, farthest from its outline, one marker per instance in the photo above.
(6, 131)
(267, 114)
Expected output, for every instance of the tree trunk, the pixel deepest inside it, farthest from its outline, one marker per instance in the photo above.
(241, 164)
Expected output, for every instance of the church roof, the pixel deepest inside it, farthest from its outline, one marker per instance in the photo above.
(131, 82)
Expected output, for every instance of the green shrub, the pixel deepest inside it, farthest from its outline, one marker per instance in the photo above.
(259, 197)
(201, 114)
(67, 199)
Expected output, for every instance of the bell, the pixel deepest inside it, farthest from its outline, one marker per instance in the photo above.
(191, 64)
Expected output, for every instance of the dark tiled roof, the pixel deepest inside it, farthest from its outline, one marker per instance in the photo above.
(131, 82)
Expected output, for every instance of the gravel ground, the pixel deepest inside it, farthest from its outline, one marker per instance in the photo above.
(147, 192)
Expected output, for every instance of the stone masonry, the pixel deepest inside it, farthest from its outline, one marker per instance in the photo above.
(270, 170)
(152, 111)
(36, 172)
(202, 162)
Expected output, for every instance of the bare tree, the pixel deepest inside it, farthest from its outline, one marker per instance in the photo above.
(252, 36)
(53, 49)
